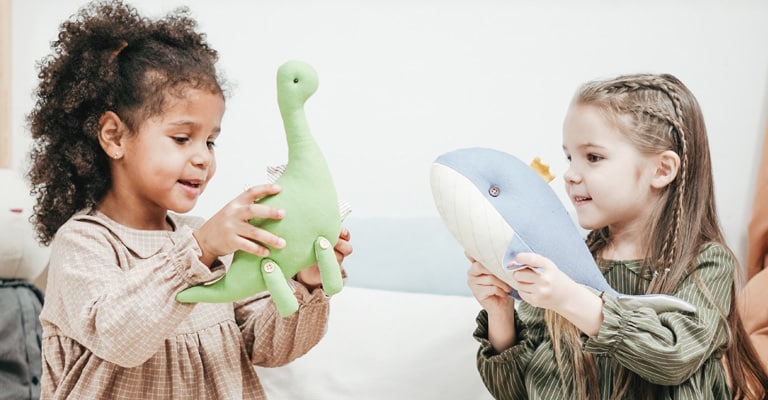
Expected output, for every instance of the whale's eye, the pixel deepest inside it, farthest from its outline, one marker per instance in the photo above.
(494, 191)
(295, 80)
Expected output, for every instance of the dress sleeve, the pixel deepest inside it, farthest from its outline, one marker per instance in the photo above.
(668, 348)
(504, 373)
(272, 340)
(121, 313)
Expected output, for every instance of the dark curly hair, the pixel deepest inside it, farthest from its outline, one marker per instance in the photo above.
(106, 58)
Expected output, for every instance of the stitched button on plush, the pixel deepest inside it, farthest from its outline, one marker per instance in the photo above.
(494, 191)
(269, 267)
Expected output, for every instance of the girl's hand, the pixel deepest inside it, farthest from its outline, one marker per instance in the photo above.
(491, 292)
(229, 230)
(493, 295)
(547, 286)
(552, 289)
(310, 277)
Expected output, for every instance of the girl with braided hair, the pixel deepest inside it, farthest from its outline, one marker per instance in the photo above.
(640, 180)
(128, 110)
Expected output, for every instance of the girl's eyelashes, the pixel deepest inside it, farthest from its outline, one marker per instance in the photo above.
(211, 141)
(591, 157)
(182, 139)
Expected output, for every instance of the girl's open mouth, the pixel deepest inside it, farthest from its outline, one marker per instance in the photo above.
(194, 184)
(581, 199)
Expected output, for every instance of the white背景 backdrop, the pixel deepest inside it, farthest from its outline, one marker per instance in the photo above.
(404, 81)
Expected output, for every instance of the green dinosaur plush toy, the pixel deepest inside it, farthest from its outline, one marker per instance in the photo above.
(312, 221)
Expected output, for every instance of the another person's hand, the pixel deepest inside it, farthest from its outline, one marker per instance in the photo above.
(229, 230)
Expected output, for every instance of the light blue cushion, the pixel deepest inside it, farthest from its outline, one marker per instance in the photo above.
(406, 254)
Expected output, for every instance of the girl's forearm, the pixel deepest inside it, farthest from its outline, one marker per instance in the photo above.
(501, 330)
(585, 310)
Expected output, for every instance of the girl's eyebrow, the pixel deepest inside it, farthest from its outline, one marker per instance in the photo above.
(185, 122)
(590, 145)
(587, 146)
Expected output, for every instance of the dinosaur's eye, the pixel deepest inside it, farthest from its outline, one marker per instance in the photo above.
(295, 80)
(494, 191)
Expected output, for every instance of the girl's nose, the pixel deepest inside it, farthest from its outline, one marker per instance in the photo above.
(202, 157)
(570, 175)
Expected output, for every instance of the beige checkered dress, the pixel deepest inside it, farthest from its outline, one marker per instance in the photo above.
(112, 329)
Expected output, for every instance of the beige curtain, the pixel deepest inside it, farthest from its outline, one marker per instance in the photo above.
(753, 299)
(757, 234)
(5, 83)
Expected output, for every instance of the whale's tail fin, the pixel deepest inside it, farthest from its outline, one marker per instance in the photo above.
(657, 302)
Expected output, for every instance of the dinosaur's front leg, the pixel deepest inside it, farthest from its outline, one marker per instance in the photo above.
(281, 293)
(330, 272)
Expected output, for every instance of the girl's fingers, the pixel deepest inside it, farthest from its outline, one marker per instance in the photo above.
(256, 192)
(495, 290)
(343, 247)
(256, 210)
(262, 237)
(488, 292)
(534, 260)
(525, 275)
(244, 208)
(476, 269)
(479, 276)
(252, 247)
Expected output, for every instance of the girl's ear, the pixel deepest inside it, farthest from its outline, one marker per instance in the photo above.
(111, 129)
(667, 166)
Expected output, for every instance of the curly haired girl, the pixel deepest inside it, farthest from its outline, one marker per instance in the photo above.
(128, 110)
(640, 179)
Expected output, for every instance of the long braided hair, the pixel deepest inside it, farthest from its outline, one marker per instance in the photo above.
(659, 113)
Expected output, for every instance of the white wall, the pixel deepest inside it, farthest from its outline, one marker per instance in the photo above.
(401, 82)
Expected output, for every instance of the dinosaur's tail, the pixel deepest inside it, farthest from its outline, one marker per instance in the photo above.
(241, 281)
(217, 292)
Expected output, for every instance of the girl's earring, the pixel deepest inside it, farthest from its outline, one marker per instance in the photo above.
(116, 155)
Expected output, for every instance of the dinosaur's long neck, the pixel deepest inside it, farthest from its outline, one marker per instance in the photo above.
(297, 133)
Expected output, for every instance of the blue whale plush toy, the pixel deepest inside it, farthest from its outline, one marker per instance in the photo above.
(496, 206)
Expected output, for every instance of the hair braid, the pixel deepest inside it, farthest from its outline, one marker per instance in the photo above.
(659, 113)
(649, 105)
(672, 255)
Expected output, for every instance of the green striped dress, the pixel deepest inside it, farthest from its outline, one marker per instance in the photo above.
(681, 352)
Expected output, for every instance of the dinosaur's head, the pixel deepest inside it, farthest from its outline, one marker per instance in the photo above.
(296, 82)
